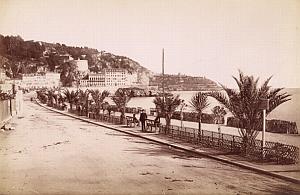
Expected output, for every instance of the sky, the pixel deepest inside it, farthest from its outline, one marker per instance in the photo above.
(212, 38)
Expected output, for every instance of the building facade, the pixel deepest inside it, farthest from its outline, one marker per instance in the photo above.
(82, 65)
(110, 77)
(115, 77)
(49, 80)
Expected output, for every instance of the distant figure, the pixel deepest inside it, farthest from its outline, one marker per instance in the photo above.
(143, 117)
(135, 120)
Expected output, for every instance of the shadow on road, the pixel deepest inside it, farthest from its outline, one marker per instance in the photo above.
(157, 150)
(281, 190)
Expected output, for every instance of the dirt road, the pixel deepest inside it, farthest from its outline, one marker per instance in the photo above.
(48, 153)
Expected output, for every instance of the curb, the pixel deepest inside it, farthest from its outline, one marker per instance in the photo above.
(185, 148)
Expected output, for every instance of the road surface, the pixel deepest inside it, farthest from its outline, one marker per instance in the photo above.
(49, 153)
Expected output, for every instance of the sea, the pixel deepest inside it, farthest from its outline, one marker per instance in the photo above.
(289, 111)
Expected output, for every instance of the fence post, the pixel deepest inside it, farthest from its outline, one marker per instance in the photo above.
(172, 129)
(262, 150)
(222, 139)
(232, 143)
(195, 136)
(212, 138)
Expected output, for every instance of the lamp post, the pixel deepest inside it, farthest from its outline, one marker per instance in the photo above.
(182, 106)
(264, 106)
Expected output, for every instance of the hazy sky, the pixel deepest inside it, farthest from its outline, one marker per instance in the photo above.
(213, 38)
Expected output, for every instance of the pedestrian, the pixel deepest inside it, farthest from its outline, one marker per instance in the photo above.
(143, 117)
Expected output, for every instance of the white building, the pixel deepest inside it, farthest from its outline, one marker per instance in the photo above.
(110, 77)
(115, 77)
(2, 75)
(49, 80)
(82, 65)
(93, 80)
(131, 79)
(97, 80)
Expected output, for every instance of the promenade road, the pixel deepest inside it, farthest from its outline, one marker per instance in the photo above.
(49, 153)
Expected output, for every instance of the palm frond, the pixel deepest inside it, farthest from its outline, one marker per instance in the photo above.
(245, 103)
(199, 102)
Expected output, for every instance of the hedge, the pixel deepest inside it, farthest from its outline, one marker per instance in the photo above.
(275, 126)
(193, 117)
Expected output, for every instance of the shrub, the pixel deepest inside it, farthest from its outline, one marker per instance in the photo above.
(193, 117)
(280, 126)
(275, 126)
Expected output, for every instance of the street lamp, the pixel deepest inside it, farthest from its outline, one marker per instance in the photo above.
(264, 106)
(182, 106)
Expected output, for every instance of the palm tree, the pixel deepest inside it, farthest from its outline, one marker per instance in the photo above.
(199, 102)
(245, 104)
(98, 98)
(41, 95)
(71, 97)
(50, 97)
(106, 106)
(121, 98)
(61, 100)
(218, 112)
(83, 100)
(167, 107)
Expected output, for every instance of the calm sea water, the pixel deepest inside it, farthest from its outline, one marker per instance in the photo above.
(289, 111)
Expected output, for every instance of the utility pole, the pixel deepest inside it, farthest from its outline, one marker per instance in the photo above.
(264, 129)
(163, 73)
(163, 82)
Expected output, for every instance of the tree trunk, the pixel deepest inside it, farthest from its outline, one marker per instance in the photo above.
(87, 107)
(199, 126)
(245, 145)
(168, 123)
(122, 118)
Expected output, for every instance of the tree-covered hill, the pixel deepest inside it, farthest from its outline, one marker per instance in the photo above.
(18, 56)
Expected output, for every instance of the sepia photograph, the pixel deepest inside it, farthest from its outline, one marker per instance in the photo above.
(149, 97)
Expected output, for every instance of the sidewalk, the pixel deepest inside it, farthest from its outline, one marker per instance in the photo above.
(285, 172)
(289, 139)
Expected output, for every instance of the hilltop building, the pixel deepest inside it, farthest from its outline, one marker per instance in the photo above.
(82, 65)
(64, 58)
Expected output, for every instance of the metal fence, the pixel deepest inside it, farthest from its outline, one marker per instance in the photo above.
(272, 152)
(101, 117)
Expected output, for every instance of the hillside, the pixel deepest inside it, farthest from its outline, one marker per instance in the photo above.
(18, 56)
(184, 83)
